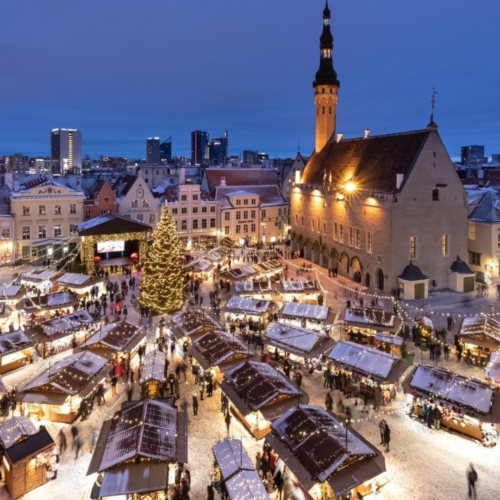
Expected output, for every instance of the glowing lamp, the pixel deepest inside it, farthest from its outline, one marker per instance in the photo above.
(134, 256)
(97, 258)
(350, 186)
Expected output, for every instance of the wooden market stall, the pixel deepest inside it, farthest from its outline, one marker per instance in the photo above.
(326, 459)
(424, 330)
(308, 316)
(242, 273)
(153, 374)
(260, 290)
(269, 269)
(296, 343)
(240, 309)
(368, 370)
(116, 340)
(42, 305)
(55, 393)
(304, 291)
(259, 393)
(137, 449)
(41, 279)
(81, 284)
(468, 406)
(199, 269)
(16, 350)
(27, 452)
(235, 469)
(389, 343)
(219, 351)
(12, 294)
(480, 338)
(61, 332)
(492, 373)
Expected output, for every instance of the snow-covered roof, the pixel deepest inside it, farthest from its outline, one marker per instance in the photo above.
(231, 457)
(363, 358)
(389, 338)
(117, 336)
(241, 272)
(370, 316)
(16, 428)
(9, 291)
(13, 342)
(248, 305)
(481, 325)
(308, 311)
(154, 367)
(246, 485)
(70, 322)
(425, 321)
(299, 286)
(319, 440)
(52, 300)
(293, 336)
(213, 256)
(73, 279)
(449, 386)
(147, 429)
(190, 321)
(253, 286)
(39, 275)
(217, 347)
(493, 368)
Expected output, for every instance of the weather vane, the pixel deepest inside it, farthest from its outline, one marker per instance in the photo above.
(433, 102)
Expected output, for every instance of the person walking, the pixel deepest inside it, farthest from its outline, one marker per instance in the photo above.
(78, 446)
(54, 464)
(329, 402)
(471, 480)
(195, 405)
(113, 382)
(202, 390)
(381, 428)
(437, 417)
(63, 444)
(228, 421)
(387, 437)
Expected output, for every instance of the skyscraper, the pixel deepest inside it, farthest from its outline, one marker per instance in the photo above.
(153, 151)
(166, 151)
(65, 150)
(218, 150)
(199, 143)
(472, 155)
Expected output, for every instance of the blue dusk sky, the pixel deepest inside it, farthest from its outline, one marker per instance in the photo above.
(123, 70)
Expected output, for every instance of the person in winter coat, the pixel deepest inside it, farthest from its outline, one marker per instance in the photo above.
(471, 480)
(437, 417)
(387, 437)
(381, 427)
(329, 402)
(195, 405)
(228, 421)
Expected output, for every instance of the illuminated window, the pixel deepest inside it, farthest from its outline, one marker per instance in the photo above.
(5, 234)
(145, 203)
(57, 230)
(134, 203)
(413, 247)
(369, 242)
(358, 238)
(42, 231)
(341, 234)
(26, 210)
(58, 210)
(140, 217)
(42, 210)
(444, 244)
(472, 231)
(336, 231)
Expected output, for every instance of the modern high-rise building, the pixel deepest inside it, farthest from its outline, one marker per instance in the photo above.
(199, 146)
(218, 150)
(153, 151)
(472, 155)
(166, 151)
(65, 150)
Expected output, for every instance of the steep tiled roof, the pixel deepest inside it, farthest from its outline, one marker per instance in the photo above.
(123, 184)
(241, 177)
(372, 162)
(487, 208)
(268, 195)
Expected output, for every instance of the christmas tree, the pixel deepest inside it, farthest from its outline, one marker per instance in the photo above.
(162, 284)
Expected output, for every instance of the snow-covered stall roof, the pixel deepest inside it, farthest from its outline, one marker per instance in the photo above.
(231, 457)
(449, 386)
(424, 321)
(252, 287)
(9, 292)
(259, 383)
(39, 275)
(190, 322)
(389, 338)
(117, 336)
(70, 375)
(154, 367)
(241, 272)
(70, 323)
(147, 429)
(319, 440)
(217, 346)
(247, 305)
(481, 325)
(378, 317)
(246, 485)
(308, 311)
(300, 286)
(73, 279)
(363, 358)
(16, 428)
(214, 256)
(493, 368)
(49, 301)
(293, 336)
(13, 342)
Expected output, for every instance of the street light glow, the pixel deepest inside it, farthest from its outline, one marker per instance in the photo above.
(350, 186)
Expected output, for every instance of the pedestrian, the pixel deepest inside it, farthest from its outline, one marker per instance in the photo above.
(140, 352)
(387, 437)
(78, 447)
(471, 480)
(228, 421)
(202, 390)
(195, 405)
(95, 494)
(329, 402)
(437, 417)
(446, 351)
(54, 464)
(326, 377)
(381, 428)
(177, 388)
(129, 392)
(62, 442)
(113, 382)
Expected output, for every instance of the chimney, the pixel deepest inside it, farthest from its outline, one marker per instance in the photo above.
(367, 133)
(297, 176)
(182, 176)
(339, 137)
(480, 177)
(222, 181)
(399, 180)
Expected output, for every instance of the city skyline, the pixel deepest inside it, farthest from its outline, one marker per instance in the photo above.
(269, 107)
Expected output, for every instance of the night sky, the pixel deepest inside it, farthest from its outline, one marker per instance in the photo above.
(123, 70)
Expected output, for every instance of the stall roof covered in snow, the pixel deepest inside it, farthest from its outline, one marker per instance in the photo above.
(40, 275)
(231, 457)
(74, 279)
(239, 273)
(481, 326)
(190, 322)
(10, 292)
(49, 301)
(147, 429)
(369, 361)
(493, 368)
(370, 316)
(111, 224)
(14, 429)
(69, 376)
(68, 323)
(246, 305)
(13, 342)
(457, 389)
(319, 441)
(388, 338)
(200, 265)
(242, 287)
(246, 484)
(153, 367)
(307, 311)
(121, 336)
(300, 286)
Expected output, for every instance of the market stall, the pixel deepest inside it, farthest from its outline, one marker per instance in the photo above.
(363, 324)
(43, 280)
(26, 462)
(240, 309)
(258, 394)
(296, 343)
(116, 340)
(137, 449)
(81, 284)
(260, 290)
(12, 294)
(61, 333)
(16, 350)
(153, 374)
(389, 343)
(199, 269)
(492, 374)
(308, 316)
(305, 291)
(270, 269)
(55, 392)
(238, 274)
(368, 372)
(424, 330)
(14, 430)
(480, 338)
(325, 459)
(235, 469)
(219, 351)
(468, 406)
(42, 304)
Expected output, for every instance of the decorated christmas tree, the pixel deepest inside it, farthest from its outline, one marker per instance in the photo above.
(162, 284)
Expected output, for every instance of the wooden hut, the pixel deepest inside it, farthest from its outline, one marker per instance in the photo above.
(16, 350)
(80, 283)
(308, 316)
(480, 338)
(153, 374)
(306, 291)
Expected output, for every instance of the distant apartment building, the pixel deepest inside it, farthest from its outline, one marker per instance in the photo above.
(65, 150)
(218, 150)
(199, 147)
(166, 151)
(473, 155)
(153, 151)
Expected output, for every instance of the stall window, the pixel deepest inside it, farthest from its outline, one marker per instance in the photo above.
(57, 230)
(42, 231)
(26, 233)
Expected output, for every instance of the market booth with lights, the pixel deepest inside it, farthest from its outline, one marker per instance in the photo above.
(259, 394)
(305, 291)
(26, 453)
(363, 324)
(218, 352)
(199, 269)
(112, 240)
(296, 343)
(260, 290)
(16, 350)
(424, 330)
(55, 392)
(238, 274)
(269, 269)
(43, 305)
(153, 374)
(327, 460)
(492, 372)
(468, 406)
(41, 279)
(80, 284)
(236, 471)
(367, 368)
(61, 333)
(240, 309)
(12, 294)
(137, 451)
(308, 316)
(480, 338)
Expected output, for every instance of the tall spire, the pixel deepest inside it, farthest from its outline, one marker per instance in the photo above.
(326, 75)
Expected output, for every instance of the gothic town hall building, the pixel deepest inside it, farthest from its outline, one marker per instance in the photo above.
(372, 205)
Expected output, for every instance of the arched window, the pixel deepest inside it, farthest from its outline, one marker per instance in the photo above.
(435, 194)
(323, 110)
